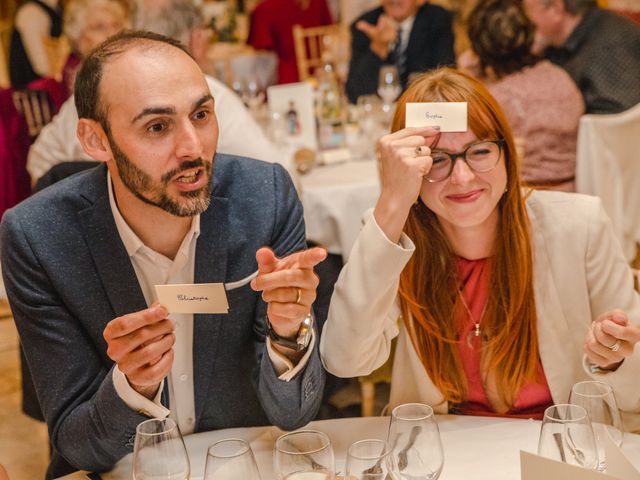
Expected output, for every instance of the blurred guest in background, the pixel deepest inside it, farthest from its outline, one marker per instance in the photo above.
(501, 298)
(404, 33)
(542, 103)
(599, 49)
(181, 19)
(86, 24)
(34, 21)
(271, 28)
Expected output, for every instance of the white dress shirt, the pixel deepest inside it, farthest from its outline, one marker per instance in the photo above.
(239, 134)
(153, 268)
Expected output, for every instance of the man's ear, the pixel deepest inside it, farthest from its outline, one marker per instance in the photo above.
(94, 140)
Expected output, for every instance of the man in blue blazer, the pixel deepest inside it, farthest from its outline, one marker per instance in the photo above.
(401, 32)
(81, 260)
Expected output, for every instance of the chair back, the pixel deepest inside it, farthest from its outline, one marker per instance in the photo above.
(34, 106)
(5, 36)
(57, 49)
(316, 45)
(608, 165)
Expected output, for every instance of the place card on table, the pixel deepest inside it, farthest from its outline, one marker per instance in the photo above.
(193, 298)
(535, 467)
(292, 105)
(449, 116)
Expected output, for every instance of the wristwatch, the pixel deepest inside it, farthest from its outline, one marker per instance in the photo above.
(302, 339)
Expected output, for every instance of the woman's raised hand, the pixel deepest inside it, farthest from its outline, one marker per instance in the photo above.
(405, 158)
(612, 338)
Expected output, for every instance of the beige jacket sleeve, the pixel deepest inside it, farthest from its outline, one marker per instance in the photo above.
(363, 316)
(610, 286)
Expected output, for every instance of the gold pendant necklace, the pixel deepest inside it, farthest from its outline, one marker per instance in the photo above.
(475, 333)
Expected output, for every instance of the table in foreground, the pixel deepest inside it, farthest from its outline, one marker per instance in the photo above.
(475, 448)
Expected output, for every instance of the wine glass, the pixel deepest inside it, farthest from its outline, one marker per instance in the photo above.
(370, 460)
(566, 435)
(388, 86)
(414, 438)
(230, 459)
(598, 400)
(304, 455)
(159, 451)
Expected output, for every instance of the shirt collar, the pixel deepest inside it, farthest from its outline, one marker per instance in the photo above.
(406, 25)
(131, 241)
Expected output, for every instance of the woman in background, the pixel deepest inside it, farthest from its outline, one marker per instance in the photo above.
(501, 299)
(34, 21)
(542, 103)
(88, 23)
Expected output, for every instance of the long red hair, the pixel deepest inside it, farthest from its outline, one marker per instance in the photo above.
(429, 285)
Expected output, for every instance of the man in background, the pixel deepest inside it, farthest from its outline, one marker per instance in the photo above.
(406, 33)
(598, 48)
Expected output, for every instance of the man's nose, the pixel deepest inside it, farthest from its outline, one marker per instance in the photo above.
(188, 144)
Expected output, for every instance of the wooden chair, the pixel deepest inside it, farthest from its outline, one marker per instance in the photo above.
(5, 39)
(57, 52)
(315, 46)
(35, 107)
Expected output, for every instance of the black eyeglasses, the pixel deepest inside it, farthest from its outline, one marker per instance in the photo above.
(481, 157)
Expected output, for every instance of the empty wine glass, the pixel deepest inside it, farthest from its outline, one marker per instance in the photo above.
(370, 460)
(388, 86)
(231, 459)
(159, 451)
(304, 455)
(566, 435)
(414, 438)
(598, 400)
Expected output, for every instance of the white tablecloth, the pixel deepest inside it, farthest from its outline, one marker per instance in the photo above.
(475, 448)
(334, 198)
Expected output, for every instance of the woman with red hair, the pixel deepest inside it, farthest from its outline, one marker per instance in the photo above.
(500, 298)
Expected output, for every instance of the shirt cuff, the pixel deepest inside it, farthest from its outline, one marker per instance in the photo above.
(285, 369)
(593, 369)
(135, 401)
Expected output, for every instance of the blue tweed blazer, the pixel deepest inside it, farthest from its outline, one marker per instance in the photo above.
(67, 275)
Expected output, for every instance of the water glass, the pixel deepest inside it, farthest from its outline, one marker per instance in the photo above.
(414, 438)
(231, 459)
(370, 460)
(304, 455)
(598, 400)
(389, 87)
(566, 435)
(159, 451)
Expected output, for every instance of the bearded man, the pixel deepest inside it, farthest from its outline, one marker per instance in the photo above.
(81, 260)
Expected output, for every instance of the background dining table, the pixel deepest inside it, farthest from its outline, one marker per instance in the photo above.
(475, 448)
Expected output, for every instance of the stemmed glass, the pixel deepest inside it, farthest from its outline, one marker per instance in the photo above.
(414, 438)
(304, 455)
(370, 460)
(598, 400)
(566, 435)
(388, 86)
(231, 459)
(159, 451)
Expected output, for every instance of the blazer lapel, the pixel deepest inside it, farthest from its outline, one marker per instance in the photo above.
(112, 263)
(211, 267)
(553, 328)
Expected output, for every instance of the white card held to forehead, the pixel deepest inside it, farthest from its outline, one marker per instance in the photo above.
(449, 116)
(193, 298)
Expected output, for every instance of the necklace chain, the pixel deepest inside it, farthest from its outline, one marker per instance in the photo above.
(476, 330)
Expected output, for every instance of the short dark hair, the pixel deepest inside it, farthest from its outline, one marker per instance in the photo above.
(501, 35)
(87, 85)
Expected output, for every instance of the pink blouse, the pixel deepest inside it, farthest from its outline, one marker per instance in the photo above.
(533, 398)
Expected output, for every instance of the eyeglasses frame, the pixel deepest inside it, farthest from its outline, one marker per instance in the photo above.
(455, 155)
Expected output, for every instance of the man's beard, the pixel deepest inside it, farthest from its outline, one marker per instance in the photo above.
(155, 193)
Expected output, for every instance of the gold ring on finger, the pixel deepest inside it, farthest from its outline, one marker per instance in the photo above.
(299, 299)
(615, 347)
